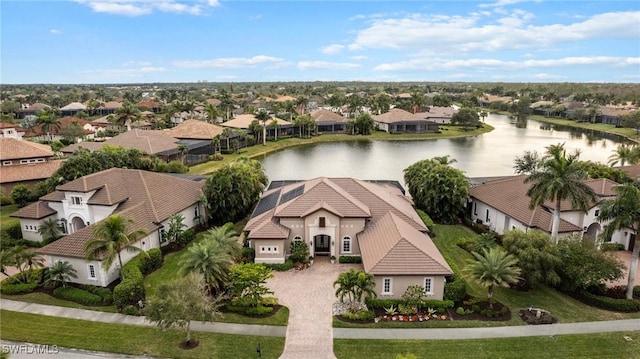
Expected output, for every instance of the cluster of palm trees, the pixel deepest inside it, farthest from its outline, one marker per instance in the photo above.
(625, 154)
(212, 257)
(354, 287)
(25, 260)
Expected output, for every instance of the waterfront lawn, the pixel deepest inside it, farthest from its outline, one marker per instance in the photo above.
(282, 143)
(601, 345)
(622, 131)
(132, 340)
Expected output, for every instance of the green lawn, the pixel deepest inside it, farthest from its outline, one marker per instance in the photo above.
(272, 146)
(622, 131)
(132, 340)
(5, 211)
(605, 345)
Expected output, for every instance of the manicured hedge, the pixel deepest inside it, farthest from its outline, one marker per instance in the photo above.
(104, 293)
(17, 287)
(131, 290)
(280, 267)
(455, 289)
(612, 247)
(427, 221)
(439, 305)
(77, 295)
(186, 237)
(248, 254)
(350, 259)
(618, 305)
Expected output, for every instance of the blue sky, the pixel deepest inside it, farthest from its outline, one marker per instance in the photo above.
(124, 41)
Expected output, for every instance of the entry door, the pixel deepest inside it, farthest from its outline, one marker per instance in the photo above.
(632, 241)
(321, 243)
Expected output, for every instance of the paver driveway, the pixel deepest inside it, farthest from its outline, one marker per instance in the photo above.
(309, 294)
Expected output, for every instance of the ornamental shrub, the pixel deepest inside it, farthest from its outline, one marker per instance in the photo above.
(618, 305)
(259, 310)
(186, 237)
(77, 295)
(299, 252)
(280, 267)
(350, 259)
(612, 247)
(8, 288)
(104, 293)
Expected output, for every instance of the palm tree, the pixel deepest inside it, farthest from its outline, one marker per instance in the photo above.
(494, 267)
(212, 112)
(25, 258)
(483, 114)
(559, 178)
(6, 260)
(346, 284)
(50, 230)
(110, 237)
(621, 213)
(417, 101)
(355, 286)
(274, 124)
(175, 227)
(364, 286)
(127, 114)
(263, 116)
(301, 104)
(227, 236)
(182, 150)
(290, 108)
(48, 121)
(624, 154)
(444, 160)
(59, 274)
(210, 259)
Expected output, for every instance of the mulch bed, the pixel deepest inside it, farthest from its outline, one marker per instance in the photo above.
(189, 344)
(497, 306)
(531, 316)
(276, 308)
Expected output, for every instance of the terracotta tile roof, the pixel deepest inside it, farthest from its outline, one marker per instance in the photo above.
(270, 230)
(397, 115)
(65, 121)
(147, 103)
(28, 172)
(243, 121)
(214, 101)
(194, 129)
(37, 210)
(12, 149)
(322, 191)
(285, 99)
(149, 142)
(437, 112)
(38, 106)
(633, 171)
(88, 145)
(509, 196)
(73, 106)
(111, 105)
(322, 115)
(4, 125)
(391, 246)
(73, 244)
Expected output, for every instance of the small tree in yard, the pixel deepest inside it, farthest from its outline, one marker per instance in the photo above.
(355, 286)
(537, 256)
(21, 194)
(248, 283)
(176, 225)
(492, 268)
(299, 252)
(59, 274)
(178, 302)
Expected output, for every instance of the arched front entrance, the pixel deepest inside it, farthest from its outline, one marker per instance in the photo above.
(77, 224)
(321, 244)
(592, 232)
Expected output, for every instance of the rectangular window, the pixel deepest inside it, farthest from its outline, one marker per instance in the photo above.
(321, 222)
(6, 163)
(428, 285)
(386, 286)
(597, 212)
(76, 201)
(487, 216)
(24, 161)
(475, 208)
(269, 249)
(346, 245)
(92, 271)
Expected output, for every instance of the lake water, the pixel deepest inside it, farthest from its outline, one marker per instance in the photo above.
(489, 154)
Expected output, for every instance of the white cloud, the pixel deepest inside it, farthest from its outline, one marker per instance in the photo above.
(545, 76)
(440, 64)
(55, 31)
(332, 49)
(137, 63)
(428, 34)
(324, 65)
(359, 58)
(145, 7)
(255, 17)
(230, 62)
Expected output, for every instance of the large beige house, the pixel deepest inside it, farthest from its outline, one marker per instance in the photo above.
(146, 198)
(24, 162)
(350, 217)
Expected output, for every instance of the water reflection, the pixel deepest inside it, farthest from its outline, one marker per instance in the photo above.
(491, 154)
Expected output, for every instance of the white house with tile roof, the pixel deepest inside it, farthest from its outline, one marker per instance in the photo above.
(350, 217)
(146, 198)
(502, 204)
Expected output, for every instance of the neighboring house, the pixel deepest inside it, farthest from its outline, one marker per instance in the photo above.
(72, 108)
(329, 121)
(401, 121)
(633, 171)
(89, 130)
(9, 130)
(147, 198)
(438, 114)
(242, 122)
(502, 204)
(108, 108)
(33, 109)
(350, 217)
(150, 104)
(24, 162)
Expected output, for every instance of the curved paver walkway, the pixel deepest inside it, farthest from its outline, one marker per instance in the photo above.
(309, 294)
(94, 316)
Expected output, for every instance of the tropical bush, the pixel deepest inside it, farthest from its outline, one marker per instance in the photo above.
(77, 295)
(612, 247)
(350, 259)
(299, 252)
(280, 267)
(618, 305)
(131, 290)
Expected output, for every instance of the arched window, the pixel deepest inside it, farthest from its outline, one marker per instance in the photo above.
(297, 239)
(346, 244)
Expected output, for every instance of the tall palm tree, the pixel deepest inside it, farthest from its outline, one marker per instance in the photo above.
(50, 230)
(26, 259)
(210, 259)
(182, 150)
(212, 112)
(624, 154)
(417, 101)
(215, 142)
(263, 117)
(6, 260)
(127, 114)
(48, 121)
(274, 124)
(559, 178)
(301, 104)
(59, 274)
(365, 286)
(494, 267)
(290, 108)
(621, 213)
(110, 237)
(346, 283)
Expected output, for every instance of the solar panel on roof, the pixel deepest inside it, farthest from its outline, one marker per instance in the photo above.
(291, 194)
(266, 204)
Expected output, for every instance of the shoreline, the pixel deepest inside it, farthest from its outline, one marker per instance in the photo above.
(622, 132)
